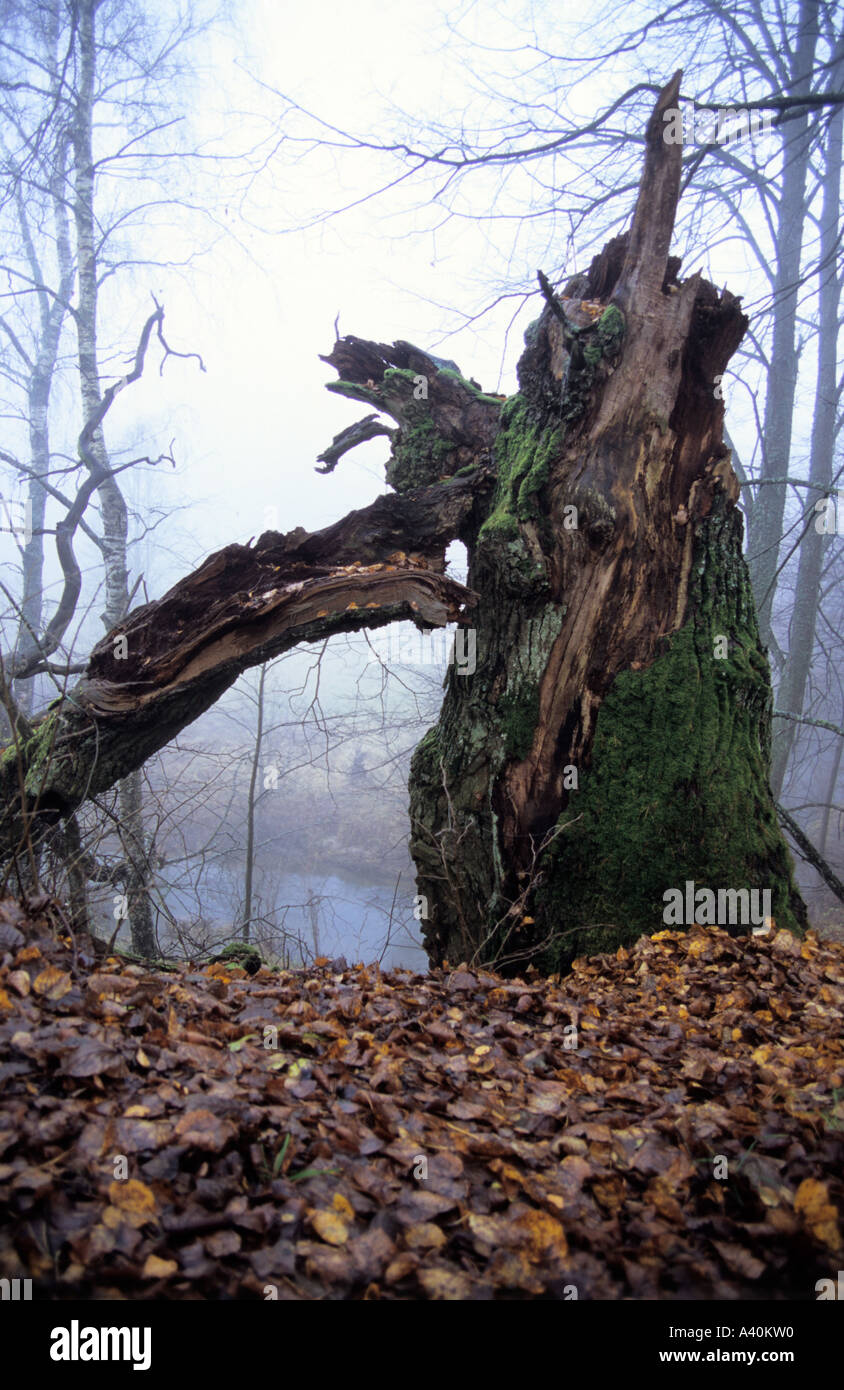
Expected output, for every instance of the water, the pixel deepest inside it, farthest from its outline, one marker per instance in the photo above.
(300, 914)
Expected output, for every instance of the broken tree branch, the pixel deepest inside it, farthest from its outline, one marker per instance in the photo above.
(646, 261)
(810, 854)
(171, 660)
(370, 427)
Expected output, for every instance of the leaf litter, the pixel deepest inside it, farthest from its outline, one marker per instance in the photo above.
(665, 1122)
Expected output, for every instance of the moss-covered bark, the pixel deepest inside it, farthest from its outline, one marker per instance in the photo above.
(613, 744)
(670, 784)
(677, 783)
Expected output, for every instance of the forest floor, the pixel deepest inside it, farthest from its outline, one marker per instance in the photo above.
(666, 1122)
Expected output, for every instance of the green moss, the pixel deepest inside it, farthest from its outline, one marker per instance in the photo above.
(500, 523)
(400, 373)
(470, 387)
(611, 328)
(420, 455)
(429, 744)
(519, 718)
(37, 753)
(354, 390)
(678, 779)
(601, 340)
(523, 454)
(240, 953)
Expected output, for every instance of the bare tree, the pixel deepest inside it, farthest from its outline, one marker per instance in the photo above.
(64, 64)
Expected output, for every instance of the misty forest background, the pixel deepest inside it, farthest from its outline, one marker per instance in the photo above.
(257, 172)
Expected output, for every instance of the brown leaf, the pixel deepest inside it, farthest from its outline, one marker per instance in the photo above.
(200, 1129)
(424, 1236)
(444, 1284)
(738, 1260)
(133, 1200)
(156, 1268)
(52, 983)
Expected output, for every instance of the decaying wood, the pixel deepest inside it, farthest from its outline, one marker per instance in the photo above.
(247, 603)
(172, 659)
(370, 427)
(641, 472)
(523, 835)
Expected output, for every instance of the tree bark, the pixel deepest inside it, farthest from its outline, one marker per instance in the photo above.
(115, 522)
(249, 868)
(614, 742)
(41, 371)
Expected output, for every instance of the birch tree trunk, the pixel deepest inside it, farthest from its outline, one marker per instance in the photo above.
(113, 512)
(815, 543)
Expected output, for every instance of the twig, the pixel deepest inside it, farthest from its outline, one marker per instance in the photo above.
(804, 719)
(551, 299)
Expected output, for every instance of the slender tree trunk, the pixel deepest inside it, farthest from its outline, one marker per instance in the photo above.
(76, 878)
(815, 543)
(830, 795)
(136, 851)
(250, 810)
(766, 528)
(31, 608)
(112, 504)
(42, 370)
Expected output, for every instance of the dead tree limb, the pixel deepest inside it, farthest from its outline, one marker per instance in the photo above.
(370, 427)
(810, 854)
(172, 659)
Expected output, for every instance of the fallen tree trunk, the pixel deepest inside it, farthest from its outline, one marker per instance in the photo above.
(172, 659)
(612, 745)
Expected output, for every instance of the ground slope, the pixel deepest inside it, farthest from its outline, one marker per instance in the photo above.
(666, 1122)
